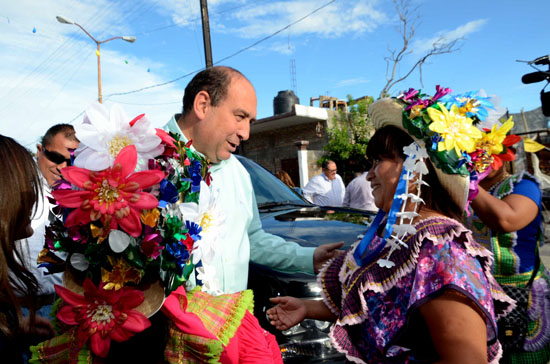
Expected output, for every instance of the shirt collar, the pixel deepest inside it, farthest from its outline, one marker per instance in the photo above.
(173, 126)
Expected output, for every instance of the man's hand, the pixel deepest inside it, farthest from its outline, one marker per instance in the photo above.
(325, 252)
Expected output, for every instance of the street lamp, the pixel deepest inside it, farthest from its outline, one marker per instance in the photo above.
(65, 20)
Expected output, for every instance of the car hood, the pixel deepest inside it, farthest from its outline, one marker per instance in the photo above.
(312, 225)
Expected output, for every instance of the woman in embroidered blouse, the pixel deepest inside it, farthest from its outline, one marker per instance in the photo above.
(508, 221)
(430, 298)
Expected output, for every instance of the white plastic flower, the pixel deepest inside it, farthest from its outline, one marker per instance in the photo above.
(104, 133)
(211, 220)
(210, 284)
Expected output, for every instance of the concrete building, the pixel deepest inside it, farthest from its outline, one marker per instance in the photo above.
(293, 141)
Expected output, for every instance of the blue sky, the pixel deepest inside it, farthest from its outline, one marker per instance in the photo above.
(49, 70)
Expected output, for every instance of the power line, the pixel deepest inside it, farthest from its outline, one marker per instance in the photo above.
(226, 58)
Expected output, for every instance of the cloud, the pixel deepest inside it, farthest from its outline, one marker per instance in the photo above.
(352, 82)
(260, 18)
(421, 46)
(50, 76)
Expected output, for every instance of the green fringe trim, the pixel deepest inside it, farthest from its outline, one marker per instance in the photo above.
(60, 350)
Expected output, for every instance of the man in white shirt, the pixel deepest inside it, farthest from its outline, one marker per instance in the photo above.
(52, 155)
(219, 105)
(359, 194)
(326, 189)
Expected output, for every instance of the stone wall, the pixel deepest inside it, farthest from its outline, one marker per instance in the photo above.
(270, 147)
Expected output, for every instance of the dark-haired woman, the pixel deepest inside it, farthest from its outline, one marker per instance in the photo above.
(417, 287)
(507, 219)
(19, 189)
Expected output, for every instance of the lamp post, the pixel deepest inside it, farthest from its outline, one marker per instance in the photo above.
(65, 20)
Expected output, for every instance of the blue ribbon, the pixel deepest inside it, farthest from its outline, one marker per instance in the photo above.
(369, 234)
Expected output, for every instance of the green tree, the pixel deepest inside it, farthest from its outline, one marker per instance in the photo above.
(348, 138)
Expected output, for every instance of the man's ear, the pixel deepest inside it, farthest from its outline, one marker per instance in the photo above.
(201, 105)
(38, 148)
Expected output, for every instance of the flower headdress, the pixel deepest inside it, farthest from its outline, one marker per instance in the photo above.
(444, 128)
(140, 216)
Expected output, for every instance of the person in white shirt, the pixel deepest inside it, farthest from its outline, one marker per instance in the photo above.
(359, 194)
(326, 189)
(219, 105)
(53, 154)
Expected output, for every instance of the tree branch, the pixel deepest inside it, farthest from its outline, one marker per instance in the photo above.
(409, 19)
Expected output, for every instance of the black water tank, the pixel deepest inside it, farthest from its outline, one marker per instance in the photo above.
(283, 102)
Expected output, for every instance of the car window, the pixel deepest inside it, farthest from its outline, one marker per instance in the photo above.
(268, 188)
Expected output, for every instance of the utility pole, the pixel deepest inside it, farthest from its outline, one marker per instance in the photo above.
(206, 34)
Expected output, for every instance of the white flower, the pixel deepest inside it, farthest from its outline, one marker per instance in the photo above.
(79, 262)
(211, 220)
(210, 284)
(118, 241)
(103, 134)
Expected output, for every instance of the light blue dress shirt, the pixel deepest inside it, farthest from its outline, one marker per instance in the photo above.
(244, 238)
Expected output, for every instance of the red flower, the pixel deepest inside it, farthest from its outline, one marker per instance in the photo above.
(509, 155)
(102, 315)
(111, 195)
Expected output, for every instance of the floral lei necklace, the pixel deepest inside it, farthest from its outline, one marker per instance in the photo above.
(139, 210)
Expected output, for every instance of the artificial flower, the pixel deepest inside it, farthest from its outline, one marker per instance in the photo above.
(101, 315)
(492, 141)
(206, 214)
(457, 130)
(440, 92)
(113, 195)
(470, 104)
(121, 274)
(104, 134)
(207, 276)
(150, 217)
(151, 244)
(409, 95)
(179, 254)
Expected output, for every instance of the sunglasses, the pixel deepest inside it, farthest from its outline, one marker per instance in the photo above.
(56, 158)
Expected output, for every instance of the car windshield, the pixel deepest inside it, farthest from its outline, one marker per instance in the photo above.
(269, 190)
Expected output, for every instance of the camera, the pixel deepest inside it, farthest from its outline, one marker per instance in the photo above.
(538, 76)
(541, 60)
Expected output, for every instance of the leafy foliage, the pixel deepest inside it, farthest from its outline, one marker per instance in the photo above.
(348, 138)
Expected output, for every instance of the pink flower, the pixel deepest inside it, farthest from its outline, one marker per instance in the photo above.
(112, 195)
(101, 315)
(150, 246)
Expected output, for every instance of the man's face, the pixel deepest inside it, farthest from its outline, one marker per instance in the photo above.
(330, 171)
(226, 125)
(54, 157)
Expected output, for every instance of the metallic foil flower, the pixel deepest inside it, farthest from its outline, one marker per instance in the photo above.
(457, 130)
(101, 315)
(121, 274)
(112, 196)
(470, 104)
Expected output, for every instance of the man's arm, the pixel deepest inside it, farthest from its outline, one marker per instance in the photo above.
(275, 252)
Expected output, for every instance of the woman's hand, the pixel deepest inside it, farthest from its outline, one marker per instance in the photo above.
(288, 312)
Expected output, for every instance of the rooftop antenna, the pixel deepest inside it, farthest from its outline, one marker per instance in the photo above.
(292, 69)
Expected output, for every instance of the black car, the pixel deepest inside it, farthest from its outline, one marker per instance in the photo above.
(285, 213)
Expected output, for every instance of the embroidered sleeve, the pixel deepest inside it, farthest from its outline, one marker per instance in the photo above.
(448, 265)
(331, 288)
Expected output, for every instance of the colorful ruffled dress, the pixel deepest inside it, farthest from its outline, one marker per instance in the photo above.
(378, 320)
(514, 260)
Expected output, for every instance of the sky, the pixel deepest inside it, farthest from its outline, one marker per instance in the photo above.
(338, 48)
